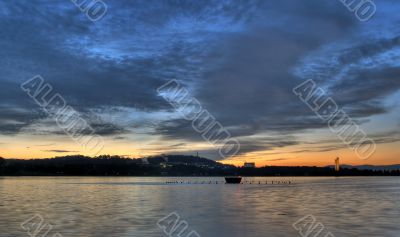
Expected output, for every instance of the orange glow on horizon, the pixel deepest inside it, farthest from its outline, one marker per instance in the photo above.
(27, 147)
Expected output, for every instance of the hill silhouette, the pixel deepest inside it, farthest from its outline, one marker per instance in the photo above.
(163, 165)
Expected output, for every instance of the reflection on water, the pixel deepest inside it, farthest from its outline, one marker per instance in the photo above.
(132, 206)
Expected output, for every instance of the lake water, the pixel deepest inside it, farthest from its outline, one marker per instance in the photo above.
(91, 206)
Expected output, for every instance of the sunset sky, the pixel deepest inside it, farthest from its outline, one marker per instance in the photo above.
(239, 59)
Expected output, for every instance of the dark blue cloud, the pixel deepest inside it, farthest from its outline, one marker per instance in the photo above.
(241, 59)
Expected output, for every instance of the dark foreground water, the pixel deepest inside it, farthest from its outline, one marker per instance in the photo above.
(132, 206)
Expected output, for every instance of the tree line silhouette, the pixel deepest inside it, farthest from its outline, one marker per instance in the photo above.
(171, 165)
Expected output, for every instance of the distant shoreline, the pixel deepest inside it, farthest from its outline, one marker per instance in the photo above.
(168, 166)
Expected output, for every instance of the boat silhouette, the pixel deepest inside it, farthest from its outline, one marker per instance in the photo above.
(233, 180)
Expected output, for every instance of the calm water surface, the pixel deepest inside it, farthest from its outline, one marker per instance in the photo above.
(87, 207)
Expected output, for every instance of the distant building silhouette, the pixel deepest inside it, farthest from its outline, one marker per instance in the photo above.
(249, 165)
(337, 164)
